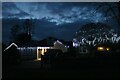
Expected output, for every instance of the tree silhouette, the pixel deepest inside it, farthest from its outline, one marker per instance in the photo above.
(110, 9)
(28, 26)
(23, 38)
(118, 4)
(95, 32)
(23, 35)
(14, 32)
(92, 30)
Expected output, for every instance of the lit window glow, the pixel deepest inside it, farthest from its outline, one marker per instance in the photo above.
(107, 49)
(100, 48)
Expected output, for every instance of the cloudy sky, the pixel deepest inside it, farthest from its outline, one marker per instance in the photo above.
(59, 19)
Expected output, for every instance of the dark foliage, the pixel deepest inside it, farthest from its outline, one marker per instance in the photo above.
(23, 38)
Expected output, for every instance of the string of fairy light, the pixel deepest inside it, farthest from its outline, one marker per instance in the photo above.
(98, 37)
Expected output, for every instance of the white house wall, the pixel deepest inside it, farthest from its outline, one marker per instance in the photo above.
(28, 52)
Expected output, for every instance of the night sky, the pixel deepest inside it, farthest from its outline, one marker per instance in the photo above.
(60, 20)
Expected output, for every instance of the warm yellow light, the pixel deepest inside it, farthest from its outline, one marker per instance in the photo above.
(42, 51)
(108, 49)
(39, 59)
(45, 50)
(100, 48)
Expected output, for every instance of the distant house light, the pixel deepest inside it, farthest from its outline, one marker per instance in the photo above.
(100, 48)
(75, 44)
(107, 49)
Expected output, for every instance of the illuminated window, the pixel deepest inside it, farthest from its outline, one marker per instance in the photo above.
(100, 48)
(107, 49)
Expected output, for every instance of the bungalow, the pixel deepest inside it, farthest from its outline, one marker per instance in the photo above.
(34, 50)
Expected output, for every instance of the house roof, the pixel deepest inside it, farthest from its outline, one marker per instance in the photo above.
(49, 41)
(13, 44)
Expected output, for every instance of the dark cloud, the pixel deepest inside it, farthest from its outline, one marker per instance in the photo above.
(62, 12)
(9, 10)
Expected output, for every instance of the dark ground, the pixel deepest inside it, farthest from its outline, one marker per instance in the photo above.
(82, 68)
